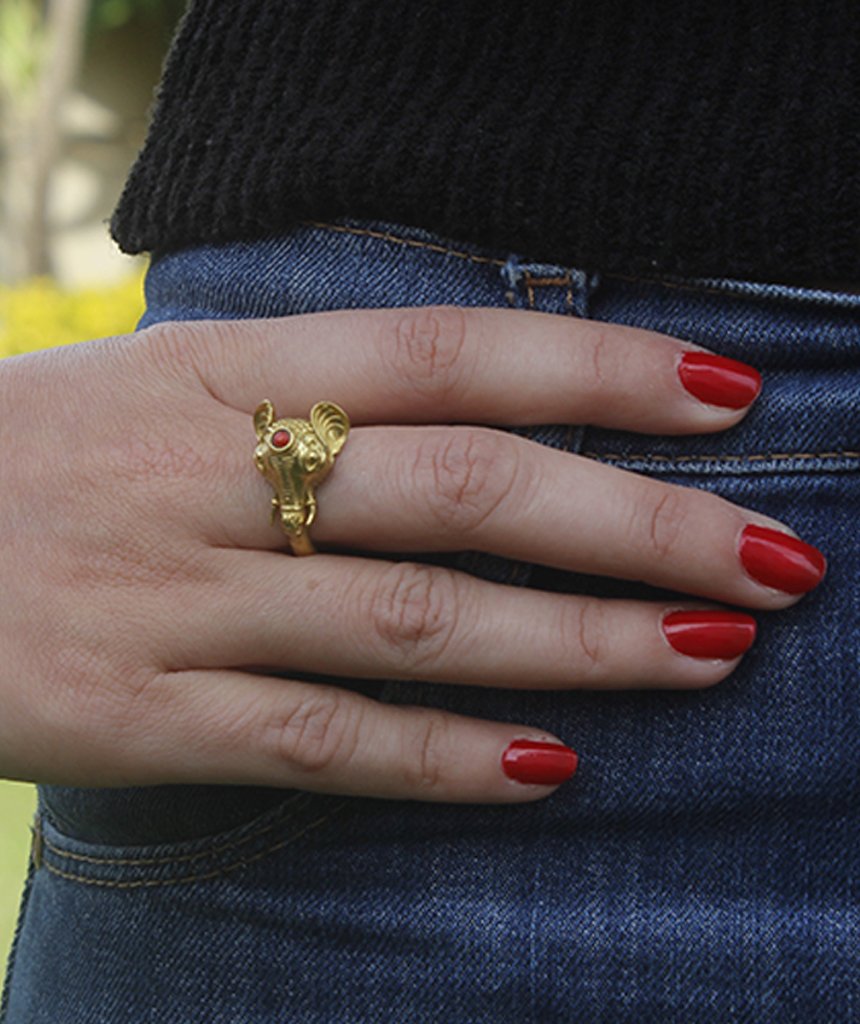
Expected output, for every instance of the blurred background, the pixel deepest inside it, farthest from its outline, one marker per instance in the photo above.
(77, 79)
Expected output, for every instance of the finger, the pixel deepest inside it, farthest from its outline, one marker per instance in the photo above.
(481, 365)
(241, 728)
(355, 617)
(473, 488)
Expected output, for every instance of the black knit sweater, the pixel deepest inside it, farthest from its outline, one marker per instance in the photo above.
(635, 136)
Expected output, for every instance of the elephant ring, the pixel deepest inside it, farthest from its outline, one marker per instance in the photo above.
(294, 456)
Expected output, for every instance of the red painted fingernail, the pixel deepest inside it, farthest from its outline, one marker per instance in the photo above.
(542, 764)
(719, 381)
(710, 634)
(781, 561)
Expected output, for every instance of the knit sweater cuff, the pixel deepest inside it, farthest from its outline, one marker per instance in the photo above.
(671, 137)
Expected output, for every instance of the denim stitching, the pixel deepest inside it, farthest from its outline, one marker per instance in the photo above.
(760, 457)
(242, 862)
(677, 284)
(533, 282)
(209, 852)
(386, 237)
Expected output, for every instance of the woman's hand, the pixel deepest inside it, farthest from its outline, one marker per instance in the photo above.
(145, 593)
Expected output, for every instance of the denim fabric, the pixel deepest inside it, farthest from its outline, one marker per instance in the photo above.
(700, 868)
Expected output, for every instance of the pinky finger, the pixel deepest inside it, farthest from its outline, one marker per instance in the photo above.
(226, 726)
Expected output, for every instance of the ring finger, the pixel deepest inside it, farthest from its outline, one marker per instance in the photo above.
(410, 489)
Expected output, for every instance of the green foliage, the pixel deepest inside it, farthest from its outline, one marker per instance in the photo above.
(22, 32)
(108, 14)
(20, 45)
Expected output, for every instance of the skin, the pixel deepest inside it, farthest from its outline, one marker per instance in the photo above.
(147, 601)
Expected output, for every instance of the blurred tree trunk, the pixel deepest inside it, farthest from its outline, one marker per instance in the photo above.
(33, 134)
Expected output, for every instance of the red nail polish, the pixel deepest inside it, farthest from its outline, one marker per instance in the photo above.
(719, 381)
(542, 764)
(781, 561)
(710, 634)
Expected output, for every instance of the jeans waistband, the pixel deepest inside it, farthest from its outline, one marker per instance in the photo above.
(417, 237)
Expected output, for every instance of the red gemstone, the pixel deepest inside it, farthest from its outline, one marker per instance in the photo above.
(280, 438)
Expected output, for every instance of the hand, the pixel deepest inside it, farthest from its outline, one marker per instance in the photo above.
(145, 593)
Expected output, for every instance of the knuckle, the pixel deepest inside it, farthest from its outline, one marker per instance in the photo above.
(317, 731)
(427, 348)
(660, 525)
(425, 750)
(603, 352)
(180, 350)
(413, 612)
(584, 635)
(463, 475)
(172, 345)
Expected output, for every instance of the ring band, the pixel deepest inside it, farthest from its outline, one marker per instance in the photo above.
(295, 455)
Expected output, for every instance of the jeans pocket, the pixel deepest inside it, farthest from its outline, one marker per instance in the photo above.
(153, 814)
(294, 818)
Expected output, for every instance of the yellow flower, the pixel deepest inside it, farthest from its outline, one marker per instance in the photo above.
(38, 314)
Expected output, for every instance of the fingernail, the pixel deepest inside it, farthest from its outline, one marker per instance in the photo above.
(541, 764)
(781, 561)
(719, 381)
(710, 634)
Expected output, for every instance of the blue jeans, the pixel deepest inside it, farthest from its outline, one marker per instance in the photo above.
(701, 867)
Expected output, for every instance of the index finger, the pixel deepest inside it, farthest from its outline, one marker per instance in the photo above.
(473, 364)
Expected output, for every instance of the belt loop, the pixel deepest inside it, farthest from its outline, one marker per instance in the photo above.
(548, 287)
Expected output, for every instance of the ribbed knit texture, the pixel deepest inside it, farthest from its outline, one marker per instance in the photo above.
(686, 137)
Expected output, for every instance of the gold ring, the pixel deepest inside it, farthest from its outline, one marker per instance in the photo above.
(294, 456)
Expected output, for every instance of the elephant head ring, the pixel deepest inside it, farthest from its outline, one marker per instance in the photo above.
(295, 455)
